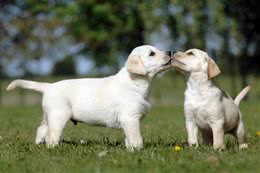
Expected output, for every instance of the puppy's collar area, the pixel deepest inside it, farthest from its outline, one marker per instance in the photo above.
(198, 80)
(139, 82)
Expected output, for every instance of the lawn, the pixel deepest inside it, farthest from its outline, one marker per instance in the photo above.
(96, 149)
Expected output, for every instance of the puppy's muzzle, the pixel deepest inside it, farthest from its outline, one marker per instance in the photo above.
(176, 62)
(168, 56)
(178, 55)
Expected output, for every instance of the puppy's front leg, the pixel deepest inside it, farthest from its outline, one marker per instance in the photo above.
(192, 130)
(218, 134)
(131, 127)
(191, 127)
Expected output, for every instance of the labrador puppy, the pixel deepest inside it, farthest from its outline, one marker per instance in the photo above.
(118, 101)
(207, 107)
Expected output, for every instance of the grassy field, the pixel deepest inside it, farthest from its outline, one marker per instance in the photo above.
(96, 149)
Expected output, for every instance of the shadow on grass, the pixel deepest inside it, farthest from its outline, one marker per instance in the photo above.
(85, 142)
(154, 143)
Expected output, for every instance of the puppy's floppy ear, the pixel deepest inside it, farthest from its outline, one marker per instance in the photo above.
(135, 65)
(213, 69)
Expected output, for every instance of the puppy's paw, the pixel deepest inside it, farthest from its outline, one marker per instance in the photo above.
(51, 145)
(243, 146)
(130, 149)
(39, 142)
(133, 149)
(194, 145)
(134, 145)
(219, 148)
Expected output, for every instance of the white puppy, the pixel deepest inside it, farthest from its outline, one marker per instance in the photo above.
(207, 107)
(118, 101)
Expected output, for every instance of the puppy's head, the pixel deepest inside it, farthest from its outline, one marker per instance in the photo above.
(195, 60)
(148, 61)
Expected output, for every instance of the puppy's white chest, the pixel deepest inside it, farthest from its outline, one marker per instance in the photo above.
(198, 108)
(199, 115)
(195, 99)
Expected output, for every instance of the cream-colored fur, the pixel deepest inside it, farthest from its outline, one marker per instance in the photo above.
(207, 108)
(118, 101)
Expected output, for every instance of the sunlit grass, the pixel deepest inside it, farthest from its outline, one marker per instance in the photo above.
(96, 149)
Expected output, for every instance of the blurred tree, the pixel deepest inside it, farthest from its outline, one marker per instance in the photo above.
(65, 67)
(109, 29)
(245, 13)
(187, 22)
(32, 30)
(248, 22)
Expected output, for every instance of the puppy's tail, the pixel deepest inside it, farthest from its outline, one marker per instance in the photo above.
(241, 95)
(36, 86)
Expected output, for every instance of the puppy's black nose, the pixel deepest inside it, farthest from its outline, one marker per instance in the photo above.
(168, 53)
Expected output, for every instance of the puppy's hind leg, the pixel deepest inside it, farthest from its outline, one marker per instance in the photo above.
(241, 136)
(57, 120)
(42, 131)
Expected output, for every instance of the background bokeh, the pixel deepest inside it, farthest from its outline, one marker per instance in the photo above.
(56, 39)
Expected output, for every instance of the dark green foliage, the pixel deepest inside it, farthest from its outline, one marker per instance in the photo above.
(108, 29)
(65, 67)
(111, 29)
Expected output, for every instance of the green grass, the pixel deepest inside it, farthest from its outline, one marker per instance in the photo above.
(163, 128)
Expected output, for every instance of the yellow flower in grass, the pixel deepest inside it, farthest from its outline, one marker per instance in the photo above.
(177, 148)
(258, 133)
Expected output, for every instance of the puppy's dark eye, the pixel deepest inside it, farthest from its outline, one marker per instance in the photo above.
(190, 53)
(152, 53)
